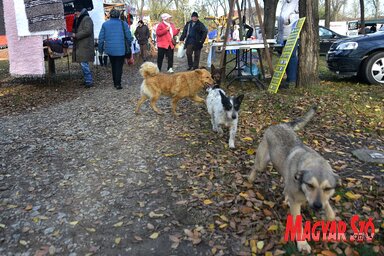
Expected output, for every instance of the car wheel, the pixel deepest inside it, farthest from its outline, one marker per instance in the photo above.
(373, 69)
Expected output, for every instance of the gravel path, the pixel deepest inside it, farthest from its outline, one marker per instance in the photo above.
(88, 176)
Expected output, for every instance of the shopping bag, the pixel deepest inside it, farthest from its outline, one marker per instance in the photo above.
(181, 51)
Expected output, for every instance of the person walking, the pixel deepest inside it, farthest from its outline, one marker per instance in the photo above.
(287, 21)
(83, 42)
(142, 34)
(194, 34)
(113, 34)
(165, 32)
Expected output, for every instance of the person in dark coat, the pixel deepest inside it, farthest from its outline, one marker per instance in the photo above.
(142, 34)
(113, 34)
(194, 35)
(84, 44)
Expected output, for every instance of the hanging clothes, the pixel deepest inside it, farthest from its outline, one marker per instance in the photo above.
(22, 21)
(44, 15)
(69, 19)
(26, 55)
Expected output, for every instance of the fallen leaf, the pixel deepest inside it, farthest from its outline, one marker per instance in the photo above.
(269, 203)
(224, 225)
(118, 224)
(154, 235)
(117, 240)
(92, 230)
(28, 207)
(247, 139)
(252, 243)
(273, 228)
(150, 226)
(337, 198)
(74, 223)
(352, 196)
(138, 238)
(260, 245)
(250, 151)
(224, 218)
(23, 242)
(207, 201)
(155, 215)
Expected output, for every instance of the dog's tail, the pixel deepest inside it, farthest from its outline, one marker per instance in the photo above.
(149, 69)
(300, 122)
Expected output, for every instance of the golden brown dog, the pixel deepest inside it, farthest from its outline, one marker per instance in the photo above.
(177, 86)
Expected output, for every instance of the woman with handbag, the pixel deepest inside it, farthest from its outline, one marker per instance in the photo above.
(115, 39)
(165, 33)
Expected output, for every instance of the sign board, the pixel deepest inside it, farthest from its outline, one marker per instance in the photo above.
(285, 57)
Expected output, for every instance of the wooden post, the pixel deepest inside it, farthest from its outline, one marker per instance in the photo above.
(229, 21)
(239, 11)
(269, 60)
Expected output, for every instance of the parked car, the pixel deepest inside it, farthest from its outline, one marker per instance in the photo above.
(362, 56)
(327, 38)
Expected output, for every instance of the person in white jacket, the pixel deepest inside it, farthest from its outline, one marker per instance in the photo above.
(287, 20)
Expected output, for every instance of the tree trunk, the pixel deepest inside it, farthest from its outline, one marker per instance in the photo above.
(362, 19)
(270, 17)
(327, 13)
(239, 12)
(141, 8)
(308, 73)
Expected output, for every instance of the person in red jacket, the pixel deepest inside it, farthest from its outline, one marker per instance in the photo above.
(165, 32)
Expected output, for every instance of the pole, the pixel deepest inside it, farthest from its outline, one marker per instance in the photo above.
(267, 53)
(229, 21)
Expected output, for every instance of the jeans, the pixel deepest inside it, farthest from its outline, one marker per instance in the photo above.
(117, 63)
(160, 56)
(87, 73)
(190, 50)
(292, 66)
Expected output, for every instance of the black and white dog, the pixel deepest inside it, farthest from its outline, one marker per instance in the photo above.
(224, 111)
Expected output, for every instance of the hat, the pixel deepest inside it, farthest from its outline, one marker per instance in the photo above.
(114, 13)
(194, 14)
(78, 6)
(165, 16)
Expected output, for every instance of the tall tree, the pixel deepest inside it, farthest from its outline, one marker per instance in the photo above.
(336, 6)
(327, 4)
(270, 17)
(362, 18)
(376, 7)
(308, 73)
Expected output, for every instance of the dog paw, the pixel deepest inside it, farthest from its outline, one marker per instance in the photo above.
(303, 246)
(231, 145)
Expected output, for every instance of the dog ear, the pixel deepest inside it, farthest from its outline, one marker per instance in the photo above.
(240, 98)
(199, 71)
(212, 68)
(225, 101)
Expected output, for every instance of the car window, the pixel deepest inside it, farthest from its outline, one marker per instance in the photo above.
(325, 33)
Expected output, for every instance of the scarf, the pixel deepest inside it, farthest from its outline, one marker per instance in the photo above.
(170, 28)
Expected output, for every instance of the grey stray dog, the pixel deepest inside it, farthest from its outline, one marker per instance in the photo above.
(308, 177)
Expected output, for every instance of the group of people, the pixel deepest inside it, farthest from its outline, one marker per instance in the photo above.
(115, 35)
(192, 39)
